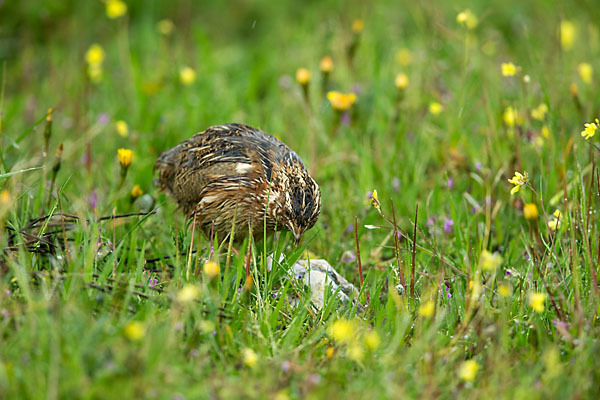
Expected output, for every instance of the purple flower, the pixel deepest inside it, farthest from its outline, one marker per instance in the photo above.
(508, 272)
(103, 118)
(240, 289)
(152, 282)
(450, 183)
(447, 291)
(558, 322)
(345, 119)
(478, 166)
(285, 366)
(448, 225)
(214, 333)
(93, 199)
(430, 222)
(350, 228)
(348, 257)
(274, 294)
(369, 195)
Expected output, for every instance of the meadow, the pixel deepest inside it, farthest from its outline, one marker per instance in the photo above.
(454, 144)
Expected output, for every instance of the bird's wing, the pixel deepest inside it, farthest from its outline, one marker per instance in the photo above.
(221, 157)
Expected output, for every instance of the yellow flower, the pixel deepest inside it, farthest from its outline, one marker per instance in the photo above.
(554, 224)
(555, 221)
(124, 156)
(401, 81)
(187, 75)
(136, 191)
(282, 395)
(342, 330)
(250, 357)
(94, 55)
(435, 108)
(536, 301)
(211, 269)
(404, 57)
(539, 112)
(545, 132)
(468, 370)
(557, 214)
(4, 196)
(427, 309)
(303, 76)
(509, 69)
(135, 330)
(567, 34)
(467, 19)
(188, 293)
(372, 340)
(115, 9)
(165, 27)
(329, 352)
(326, 64)
(375, 201)
(122, 128)
(573, 89)
(489, 261)
(475, 287)
(357, 26)
(504, 290)
(585, 72)
(520, 179)
(356, 352)
(510, 116)
(530, 211)
(341, 101)
(590, 129)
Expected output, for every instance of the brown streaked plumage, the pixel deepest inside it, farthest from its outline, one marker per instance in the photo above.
(238, 170)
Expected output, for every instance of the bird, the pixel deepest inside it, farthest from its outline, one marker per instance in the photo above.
(235, 174)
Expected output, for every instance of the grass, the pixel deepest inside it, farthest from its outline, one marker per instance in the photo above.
(124, 309)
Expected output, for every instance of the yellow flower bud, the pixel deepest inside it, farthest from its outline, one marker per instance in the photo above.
(401, 81)
(134, 330)
(124, 156)
(530, 211)
(357, 26)
(326, 64)
(211, 269)
(122, 128)
(187, 76)
(115, 9)
(303, 76)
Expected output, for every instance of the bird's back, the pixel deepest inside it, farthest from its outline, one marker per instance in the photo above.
(221, 156)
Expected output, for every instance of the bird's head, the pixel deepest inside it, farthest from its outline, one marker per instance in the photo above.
(302, 200)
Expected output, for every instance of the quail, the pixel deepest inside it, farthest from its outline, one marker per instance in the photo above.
(238, 174)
